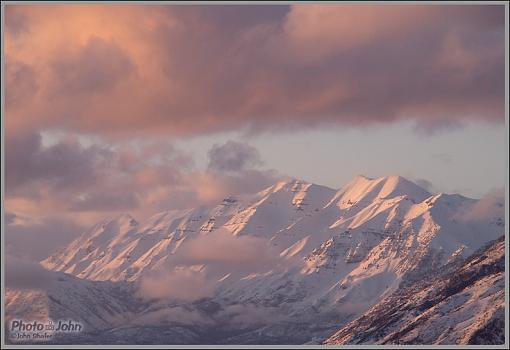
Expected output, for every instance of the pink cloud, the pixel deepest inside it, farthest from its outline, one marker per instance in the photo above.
(191, 70)
(36, 239)
(182, 284)
(119, 71)
(23, 273)
(491, 206)
(84, 184)
(194, 271)
(222, 251)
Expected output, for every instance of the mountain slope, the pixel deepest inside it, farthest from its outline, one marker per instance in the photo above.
(133, 248)
(97, 305)
(337, 252)
(464, 305)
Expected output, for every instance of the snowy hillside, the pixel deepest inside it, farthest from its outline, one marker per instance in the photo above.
(464, 305)
(318, 256)
(98, 305)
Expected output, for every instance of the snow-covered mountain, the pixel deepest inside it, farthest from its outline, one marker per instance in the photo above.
(98, 305)
(337, 254)
(465, 304)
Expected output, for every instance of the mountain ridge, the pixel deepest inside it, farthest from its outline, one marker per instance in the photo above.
(334, 253)
(466, 299)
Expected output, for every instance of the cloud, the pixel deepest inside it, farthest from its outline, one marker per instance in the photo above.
(22, 82)
(426, 184)
(432, 126)
(9, 218)
(184, 71)
(15, 21)
(213, 186)
(236, 315)
(25, 274)
(37, 240)
(233, 156)
(251, 314)
(115, 72)
(489, 207)
(64, 186)
(317, 31)
(181, 284)
(149, 176)
(444, 158)
(193, 272)
(95, 69)
(225, 253)
(107, 201)
(178, 314)
(63, 165)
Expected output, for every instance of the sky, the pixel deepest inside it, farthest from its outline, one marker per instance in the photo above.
(140, 109)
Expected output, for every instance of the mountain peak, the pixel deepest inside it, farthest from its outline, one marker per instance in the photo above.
(397, 185)
(364, 188)
(287, 184)
(361, 177)
(126, 218)
(114, 227)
